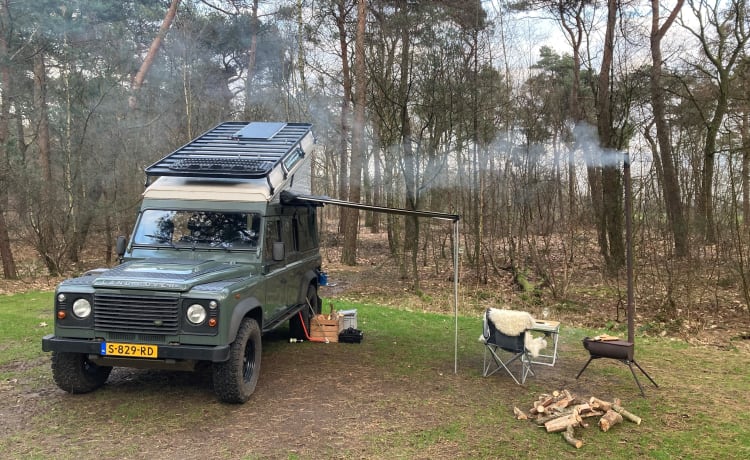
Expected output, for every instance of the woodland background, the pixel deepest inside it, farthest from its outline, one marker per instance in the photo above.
(517, 115)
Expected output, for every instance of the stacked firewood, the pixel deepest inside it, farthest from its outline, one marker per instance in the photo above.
(562, 412)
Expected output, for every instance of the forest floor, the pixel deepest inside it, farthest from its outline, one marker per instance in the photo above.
(349, 404)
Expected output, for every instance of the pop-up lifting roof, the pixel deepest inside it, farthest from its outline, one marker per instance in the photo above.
(240, 150)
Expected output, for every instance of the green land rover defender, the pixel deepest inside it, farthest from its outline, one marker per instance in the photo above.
(217, 258)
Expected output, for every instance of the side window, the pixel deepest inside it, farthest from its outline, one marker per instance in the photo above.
(305, 238)
(296, 233)
(273, 234)
(289, 235)
(312, 225)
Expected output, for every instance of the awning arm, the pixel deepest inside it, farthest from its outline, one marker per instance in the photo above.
(288, 197)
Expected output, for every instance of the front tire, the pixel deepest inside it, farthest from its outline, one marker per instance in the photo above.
(75, 373)
(235, 379)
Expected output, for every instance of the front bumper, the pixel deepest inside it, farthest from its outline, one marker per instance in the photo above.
(214, 354)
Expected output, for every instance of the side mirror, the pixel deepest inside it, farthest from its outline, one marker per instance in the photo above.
(278, 251)
(121, 246)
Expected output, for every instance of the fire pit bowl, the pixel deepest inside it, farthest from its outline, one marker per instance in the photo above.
(613, 349)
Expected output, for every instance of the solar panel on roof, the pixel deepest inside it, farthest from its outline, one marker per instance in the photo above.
(259, 130)
(239, 150)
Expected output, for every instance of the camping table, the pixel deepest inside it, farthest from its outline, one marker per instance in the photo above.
(549, 328)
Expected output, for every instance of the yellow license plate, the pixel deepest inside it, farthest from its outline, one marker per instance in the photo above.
(130, 350)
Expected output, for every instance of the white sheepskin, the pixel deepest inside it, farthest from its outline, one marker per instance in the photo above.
(534, 344)
(513, 323)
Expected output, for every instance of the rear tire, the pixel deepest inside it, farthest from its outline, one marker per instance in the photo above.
(235, 379)
(295, 325)
(75, 373)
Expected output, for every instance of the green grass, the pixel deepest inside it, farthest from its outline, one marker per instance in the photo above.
(24, 318)
(395, 395)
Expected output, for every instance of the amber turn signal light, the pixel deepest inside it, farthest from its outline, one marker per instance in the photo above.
(61, 314)
(212, 322)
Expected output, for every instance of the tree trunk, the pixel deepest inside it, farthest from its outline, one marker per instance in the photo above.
(575, 35)
(746, 168)
(612, 219)
(42, 217)
(6, 255)
(349, 251)
(251, 55)
(411, 233)
(670, 178)
(723, 47)
(140, 76)
(344, 120)
(376, 190)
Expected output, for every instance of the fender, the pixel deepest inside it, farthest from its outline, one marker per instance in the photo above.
(248, 307)
(310, 277)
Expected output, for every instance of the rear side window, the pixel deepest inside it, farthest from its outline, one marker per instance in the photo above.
(305, 225)
(273, 235)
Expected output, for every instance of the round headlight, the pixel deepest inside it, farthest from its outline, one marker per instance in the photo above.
(82, 308)
(196, 313)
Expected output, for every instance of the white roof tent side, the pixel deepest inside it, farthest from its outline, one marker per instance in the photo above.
(185, 188)
(236, 161)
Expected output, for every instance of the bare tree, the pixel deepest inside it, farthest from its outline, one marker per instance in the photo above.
(41, 215)
(670, 181)
(722, 35)
(148, 61)
(343, 8)
(6, 254)
(349, 251)
(610, 221)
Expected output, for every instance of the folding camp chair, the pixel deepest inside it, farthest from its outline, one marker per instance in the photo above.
(502, 350)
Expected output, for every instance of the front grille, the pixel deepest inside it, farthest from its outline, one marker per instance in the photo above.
(137, 314)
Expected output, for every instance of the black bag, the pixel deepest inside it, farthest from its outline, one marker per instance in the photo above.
(350, 335)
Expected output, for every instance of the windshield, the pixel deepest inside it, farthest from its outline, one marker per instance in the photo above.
(198, 229)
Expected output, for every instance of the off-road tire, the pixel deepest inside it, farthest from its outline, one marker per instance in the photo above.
(295, 325)
(75, 373)
(235, 379)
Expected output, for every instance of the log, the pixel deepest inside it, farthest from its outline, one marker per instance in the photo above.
(569, 436)
(544, 401)
(520, 415)
(561, 423)
(543, 420)
(597, 403)
(626, 414)
(562, 403)
(610, 419)
(582, 408)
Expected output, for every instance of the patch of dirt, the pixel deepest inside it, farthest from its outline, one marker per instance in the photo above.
(319, 401)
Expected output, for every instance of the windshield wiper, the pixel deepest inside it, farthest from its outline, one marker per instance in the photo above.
(160, 239)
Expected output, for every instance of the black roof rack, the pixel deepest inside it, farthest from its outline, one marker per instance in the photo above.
(236, 149)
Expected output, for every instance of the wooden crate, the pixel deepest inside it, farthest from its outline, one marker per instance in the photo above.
(323, 328)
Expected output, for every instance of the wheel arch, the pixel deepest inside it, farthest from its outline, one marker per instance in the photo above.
(309, 278)
(248, 308)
